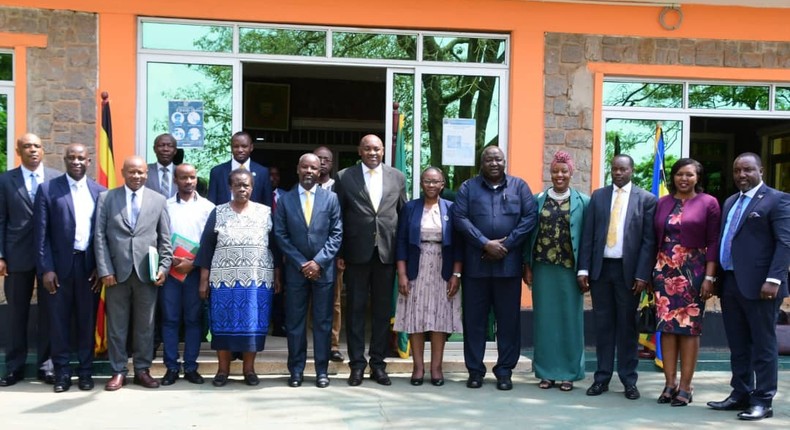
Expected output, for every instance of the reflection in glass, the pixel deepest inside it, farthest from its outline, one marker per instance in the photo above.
(463, 49)
(210, 84)
(279, 41)
(374, 46)
(643, 94)
(637, 138)
(739, 97)
(187, 37)
(782, 100)
(6, 66)
(3, 132)
(403, 94)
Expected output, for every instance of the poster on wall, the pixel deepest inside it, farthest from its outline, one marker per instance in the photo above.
(458, 142)
(186, 122)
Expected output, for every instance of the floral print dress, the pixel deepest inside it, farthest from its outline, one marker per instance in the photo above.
(677, 279)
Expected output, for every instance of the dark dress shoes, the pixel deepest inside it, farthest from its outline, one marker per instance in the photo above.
(251, 379)
(632, 393)
(504, 383)
(144, 379)
(62, 384)
(355, 378)
(11, 379)
(337, 356)
(170, 377)
(729, 404)
(46, 376)
(322, 381)
(85, 383)
(756, 412)
(437, 382)
(474, 381)
(597, 388)
(193, 377)
(380, 376)
(296, 380)
(220, 379)
(116, 382)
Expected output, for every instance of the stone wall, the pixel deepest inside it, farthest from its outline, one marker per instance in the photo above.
(61, 78)
(568, 84)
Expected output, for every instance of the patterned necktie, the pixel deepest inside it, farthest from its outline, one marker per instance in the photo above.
(375, 198)
(135, 210)
(726, 250)
(611, 235)
(165, 182)
(33, 186)
(308, 207)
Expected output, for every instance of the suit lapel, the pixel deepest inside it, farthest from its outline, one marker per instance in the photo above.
(21, 188)
(607, 207)
(359, 179)
(758, 197)
(63, 183)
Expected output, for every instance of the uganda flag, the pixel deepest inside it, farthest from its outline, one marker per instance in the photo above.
(106, 175)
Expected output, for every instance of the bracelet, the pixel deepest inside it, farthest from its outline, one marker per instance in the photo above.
(710, 278)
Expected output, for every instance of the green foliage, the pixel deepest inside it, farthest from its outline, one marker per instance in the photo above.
(3, 132)
(6, 67)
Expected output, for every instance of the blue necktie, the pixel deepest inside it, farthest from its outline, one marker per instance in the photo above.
(726, 250)
(135, 210)
(33, 186)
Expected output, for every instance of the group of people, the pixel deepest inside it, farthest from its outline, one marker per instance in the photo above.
(155, 242)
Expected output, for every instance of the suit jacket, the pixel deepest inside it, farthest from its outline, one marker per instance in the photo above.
(56, 227)
(299, 243)
(700, 226)
(364, 228)
(579, 202)
(155, 177)
(639, 242)
(408, 249)
(119, 248)
(219, 191)
(761, 245)
(16, 220)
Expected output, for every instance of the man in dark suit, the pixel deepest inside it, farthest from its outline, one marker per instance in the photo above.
(241, 147)
(371, 195)
(129, 220)
(616, 259)
(308, 231)
(64, 220)
(17, 192)
(755, 255)
(161, 173)
(494, 213)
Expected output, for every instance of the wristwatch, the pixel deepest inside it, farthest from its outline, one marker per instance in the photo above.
(710, 278)
(457, 274)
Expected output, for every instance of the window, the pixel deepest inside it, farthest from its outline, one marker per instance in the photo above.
(280, 41)
(6, 109)
(187, 37)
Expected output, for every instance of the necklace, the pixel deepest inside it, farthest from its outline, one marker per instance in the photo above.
(559, 196)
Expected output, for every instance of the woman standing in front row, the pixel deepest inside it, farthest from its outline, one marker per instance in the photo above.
(687, 223)
(550, 271)
(429, 270)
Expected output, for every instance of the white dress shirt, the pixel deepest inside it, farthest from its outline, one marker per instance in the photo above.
(374, 183)
(188, 217)
(617, 250)
(83, 212)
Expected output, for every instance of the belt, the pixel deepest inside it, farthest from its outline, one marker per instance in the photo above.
(430, 241)
(78, 252)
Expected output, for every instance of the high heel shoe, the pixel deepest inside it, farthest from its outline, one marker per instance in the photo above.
(417, 381)
(682, 398)
(667, 395)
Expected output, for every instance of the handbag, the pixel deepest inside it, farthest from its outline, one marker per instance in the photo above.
(647, 322)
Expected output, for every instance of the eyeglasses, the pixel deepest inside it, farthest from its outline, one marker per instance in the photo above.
(433, 183)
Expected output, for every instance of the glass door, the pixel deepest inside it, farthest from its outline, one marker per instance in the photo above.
(778, 174)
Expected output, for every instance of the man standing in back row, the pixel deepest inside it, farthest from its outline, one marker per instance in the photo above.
(241, 147)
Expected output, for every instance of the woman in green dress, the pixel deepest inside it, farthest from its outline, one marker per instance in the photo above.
(550, 272)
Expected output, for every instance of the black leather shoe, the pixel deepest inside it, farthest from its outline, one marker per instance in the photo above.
(504, 383)
(170, 377)
(337, 356)
(46, 376)
(438, 382)
(295, 380)
(193, 377)
(85, 383)
(756, 413)
(355, 378)
(380, 376)
(729, 404)
(632, 393)
(474, 381)
(220, 379)
(62, 384)
(597, 388)
(11, 379)
(251, 379)
(322, 381)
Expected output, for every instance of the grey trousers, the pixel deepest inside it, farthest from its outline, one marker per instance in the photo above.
(136, 299)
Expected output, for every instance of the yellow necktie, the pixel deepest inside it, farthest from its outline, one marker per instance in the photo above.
(611, 235)
(243, 166)
(308, 207)
(373, 199)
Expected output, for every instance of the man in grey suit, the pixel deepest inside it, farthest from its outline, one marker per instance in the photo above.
(616, 259)
(17, 192)
(162, 172)
(129, 220)
(371, 196)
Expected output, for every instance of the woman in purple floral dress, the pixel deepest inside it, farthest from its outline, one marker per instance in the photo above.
(687, 225)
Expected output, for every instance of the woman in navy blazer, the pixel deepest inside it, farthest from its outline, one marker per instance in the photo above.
(428, 299)
(687, 223)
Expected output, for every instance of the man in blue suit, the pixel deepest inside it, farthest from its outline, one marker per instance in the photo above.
(755, 254)
(64, 217)
(308, 230)
(241, 147)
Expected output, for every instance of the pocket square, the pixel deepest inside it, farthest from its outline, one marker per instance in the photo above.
(754, 215)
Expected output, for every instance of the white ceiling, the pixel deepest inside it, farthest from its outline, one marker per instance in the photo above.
(745, 3)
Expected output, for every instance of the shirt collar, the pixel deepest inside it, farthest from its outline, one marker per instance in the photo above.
(302, 190)
(39, 171)
(750, 194)
(235, 164)
(365, 168)
(72, 182)
(502, 184)
(159, 167)
(626, 187)
(195, 197)
(129, 191)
